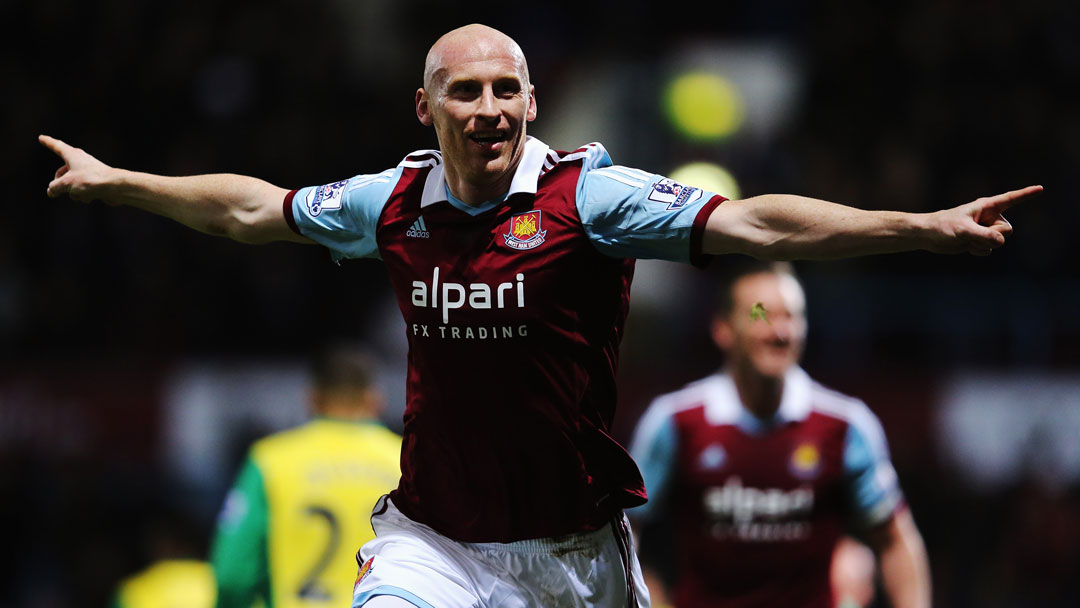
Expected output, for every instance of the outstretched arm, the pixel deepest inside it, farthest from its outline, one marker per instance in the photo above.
(904, 567)
(242, 208)
(788, 227)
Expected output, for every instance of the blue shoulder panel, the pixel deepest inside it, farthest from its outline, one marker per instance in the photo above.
(629, 213)
(343, 215)
(874, 488)
(654, 448)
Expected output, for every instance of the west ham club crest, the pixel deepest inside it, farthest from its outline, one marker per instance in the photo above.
(525, 232)
(805, 462)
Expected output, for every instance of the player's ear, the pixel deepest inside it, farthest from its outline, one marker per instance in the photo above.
(423, 107)
(530, 115)
(723, 334)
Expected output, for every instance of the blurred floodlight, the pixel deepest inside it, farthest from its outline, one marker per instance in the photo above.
(750, 88)
(703, 105)
(707, 176)
(998, 428)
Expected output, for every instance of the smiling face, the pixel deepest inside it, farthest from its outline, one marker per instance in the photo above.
(766, 348)
(477, 96)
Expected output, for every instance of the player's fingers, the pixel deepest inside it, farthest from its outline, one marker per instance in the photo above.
(61, 171)
(981, 237)
(996, 205)
(57, 188)
(1002, 226)
(57, 146)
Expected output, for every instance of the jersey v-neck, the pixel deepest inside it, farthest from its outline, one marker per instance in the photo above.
(436, 190)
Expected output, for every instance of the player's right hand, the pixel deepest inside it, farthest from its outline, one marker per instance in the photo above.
(977, 227)
(82, 177)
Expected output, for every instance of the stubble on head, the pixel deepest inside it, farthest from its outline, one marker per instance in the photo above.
(472, 42)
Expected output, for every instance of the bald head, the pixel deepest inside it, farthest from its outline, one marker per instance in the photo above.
(474, 42)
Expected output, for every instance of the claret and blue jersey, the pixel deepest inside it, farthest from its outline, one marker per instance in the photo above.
(625, 212)
(514, 311)
(759, 505)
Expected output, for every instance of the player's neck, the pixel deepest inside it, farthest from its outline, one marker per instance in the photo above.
(347, 412)
(477, 190)
(760, 395)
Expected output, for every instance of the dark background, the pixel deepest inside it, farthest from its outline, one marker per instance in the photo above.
(910, 106)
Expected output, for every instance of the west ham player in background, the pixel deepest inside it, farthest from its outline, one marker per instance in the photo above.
(762, 470)
(512, 265)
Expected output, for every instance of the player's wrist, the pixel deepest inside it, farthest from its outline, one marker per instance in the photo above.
(923, 230)
(120, 186)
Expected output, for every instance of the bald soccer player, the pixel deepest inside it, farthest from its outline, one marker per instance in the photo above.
(512, 264)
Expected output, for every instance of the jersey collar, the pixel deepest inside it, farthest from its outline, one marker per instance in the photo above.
(528, 171)
(795, 403)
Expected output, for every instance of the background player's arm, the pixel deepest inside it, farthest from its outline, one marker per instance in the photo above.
(654, 448)
(238, 554)
(242, 208)
(905, 570)
(787, 227)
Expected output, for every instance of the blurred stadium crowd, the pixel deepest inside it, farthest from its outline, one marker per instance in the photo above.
(909, 106)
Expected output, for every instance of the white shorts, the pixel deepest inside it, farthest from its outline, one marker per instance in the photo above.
(411, 561)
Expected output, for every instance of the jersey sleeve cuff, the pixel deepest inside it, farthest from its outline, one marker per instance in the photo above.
(287, 210)
(697, 232)
(883, 512)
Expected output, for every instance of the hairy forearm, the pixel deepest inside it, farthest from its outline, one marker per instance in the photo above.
(235, 206)
(787, 227)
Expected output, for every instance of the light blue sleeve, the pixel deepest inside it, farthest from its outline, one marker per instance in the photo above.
(343, 215)
(874, 490)
(654, 448)
(629, 213)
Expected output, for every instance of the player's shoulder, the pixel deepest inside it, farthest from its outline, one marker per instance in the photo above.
(377, 432)
(694, 392)
(710, 392)
(421, 158)
(602, 179)
(597, 163)
(282, 440)
(851, 410)
(590, 156)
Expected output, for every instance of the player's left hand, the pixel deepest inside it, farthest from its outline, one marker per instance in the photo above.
(83, 177)
(977, 227)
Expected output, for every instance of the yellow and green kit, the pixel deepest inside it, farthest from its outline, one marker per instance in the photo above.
(298, 512)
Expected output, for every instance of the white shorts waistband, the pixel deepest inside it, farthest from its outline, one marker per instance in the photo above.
(553, 545)
(550, 545)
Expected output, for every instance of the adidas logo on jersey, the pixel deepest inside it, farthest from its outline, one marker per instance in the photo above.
(418, 230)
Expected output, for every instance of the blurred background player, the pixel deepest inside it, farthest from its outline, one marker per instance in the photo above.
(177, 576)
(762, 470)
(301, 504)
(174, 583)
